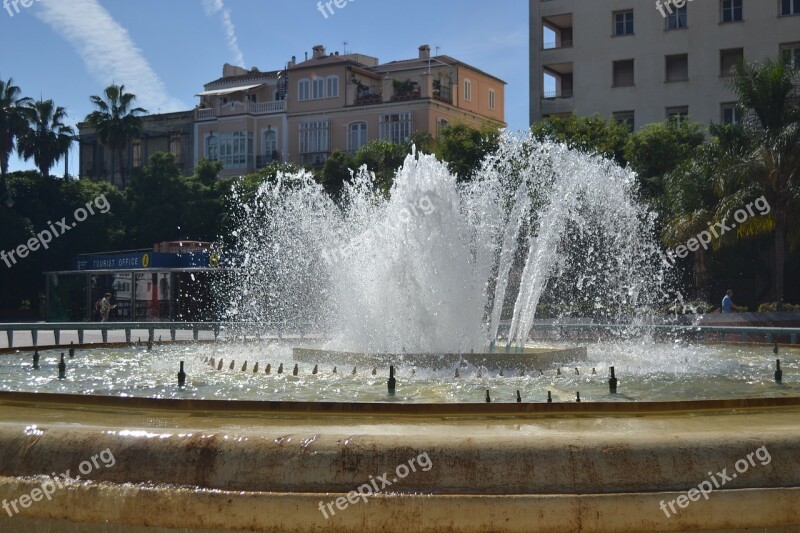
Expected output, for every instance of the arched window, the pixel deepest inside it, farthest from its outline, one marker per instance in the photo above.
(357, 137)
(303, 90)
(332, 86)
(271, 145)
(212, 144)
(317, 88)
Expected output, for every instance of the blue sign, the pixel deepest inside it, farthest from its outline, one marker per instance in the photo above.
(142, 260)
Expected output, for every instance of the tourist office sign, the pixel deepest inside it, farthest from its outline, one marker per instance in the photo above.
(142, 260)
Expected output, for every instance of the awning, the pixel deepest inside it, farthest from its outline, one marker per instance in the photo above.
(229, 90)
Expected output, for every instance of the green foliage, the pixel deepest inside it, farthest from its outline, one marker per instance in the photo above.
(336, 171)
(591, 134)
(658, 149)
(383, 159)
(464, 148)
(46, 139)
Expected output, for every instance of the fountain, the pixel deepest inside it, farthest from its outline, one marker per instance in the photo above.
(429, 293)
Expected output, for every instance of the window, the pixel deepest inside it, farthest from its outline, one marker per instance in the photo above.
(731, 113)
(175, 146)
(679, 115)
(357, 137)
(626, 117)
(790, 7)
(303, 90)
(271, 145)
(212, 151)
(333, 86)
(791, 52)
(317, 88)
(731, 10)
(623, 73)
(137, 154)
(678, 18)
(728, 59)
(235, 149)
(396, 128)
(677, 67)
(623, 23)
(491, 99)
(441, 124)
(468, 90)
(314, 141)
(250, 98)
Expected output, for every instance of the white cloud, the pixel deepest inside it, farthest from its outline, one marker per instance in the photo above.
(108, 51)
(214, 7)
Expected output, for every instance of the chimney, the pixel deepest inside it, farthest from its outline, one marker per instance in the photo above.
(425, 52)
(319, 52)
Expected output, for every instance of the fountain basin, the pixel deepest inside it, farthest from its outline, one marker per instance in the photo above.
(266, 466)
(529, 359)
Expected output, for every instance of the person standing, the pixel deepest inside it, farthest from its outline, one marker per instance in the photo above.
(105, 307)
(727, 302)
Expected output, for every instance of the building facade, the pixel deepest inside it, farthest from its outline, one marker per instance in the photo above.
(247, 119)
(167, 132)
(642, 62)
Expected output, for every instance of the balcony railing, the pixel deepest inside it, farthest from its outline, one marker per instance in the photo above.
(368, 97)
(204, 114)
(552, 45)
(242, 108)
(443, 94)
(563, 93)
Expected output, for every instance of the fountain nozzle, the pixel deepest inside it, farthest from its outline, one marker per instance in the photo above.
(62, 368)
(488, 398)
(612, 382)
(36, 360)
(181, 376)
(778, 371)
(392, 383)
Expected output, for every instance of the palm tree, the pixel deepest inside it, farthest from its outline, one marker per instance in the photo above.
(47, 138)
(12, 124)
(768, 161)
(116, 122)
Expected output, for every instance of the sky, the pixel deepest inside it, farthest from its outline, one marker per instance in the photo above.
(164, 51)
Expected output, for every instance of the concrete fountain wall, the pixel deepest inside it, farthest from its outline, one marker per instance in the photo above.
(261, 466)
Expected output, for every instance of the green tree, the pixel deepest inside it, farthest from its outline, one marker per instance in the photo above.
(47, 138)
(768, 162)
(12, 124)
(657, 149)
(591, 134)
(464, 148)
(383, 158)
(116, 122)
(336, 172)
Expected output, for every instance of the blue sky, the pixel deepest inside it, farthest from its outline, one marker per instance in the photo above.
(164, 51)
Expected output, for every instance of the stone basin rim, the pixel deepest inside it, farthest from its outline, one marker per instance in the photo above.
(67, 401)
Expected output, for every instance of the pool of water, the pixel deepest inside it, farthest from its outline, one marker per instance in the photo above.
(647, 371)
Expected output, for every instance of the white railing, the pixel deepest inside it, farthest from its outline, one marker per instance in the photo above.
(260, 108)
(204, 114)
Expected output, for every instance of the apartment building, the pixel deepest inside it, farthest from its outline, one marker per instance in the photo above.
(165, 132)
(643, 61)
(328, 102)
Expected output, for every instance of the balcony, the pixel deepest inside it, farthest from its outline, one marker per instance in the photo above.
(368, 97)
(552, 95)
(241, 108)
(554, 45)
